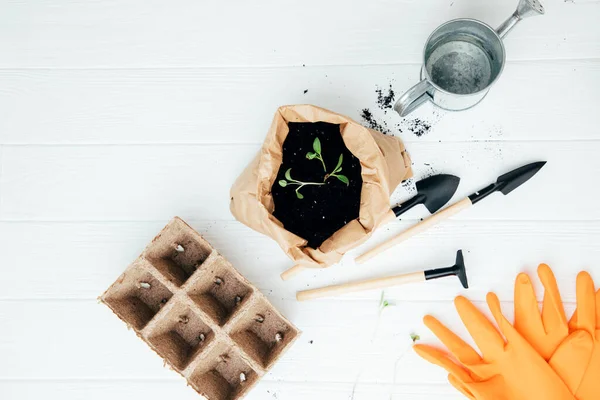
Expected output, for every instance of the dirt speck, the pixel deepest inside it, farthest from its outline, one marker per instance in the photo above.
(305, 91)
(373, 123)
(417, 126)
(409, 185)
(385, 100)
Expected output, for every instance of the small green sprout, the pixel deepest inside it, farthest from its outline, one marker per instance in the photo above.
(311, 156)
(383, 302)
(414, 337)
(317, 154)
(290, 181)
(338, 168)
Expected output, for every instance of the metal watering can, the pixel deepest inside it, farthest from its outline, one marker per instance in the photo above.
(461, 61)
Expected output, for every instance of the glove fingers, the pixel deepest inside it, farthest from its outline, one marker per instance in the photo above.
(528, 320)
(458, 347)
(442, 359)
(505, 327)
(598, 310)
(571, 359)
(553, 313)
(481, 329)
(585, 314)
(460, 386)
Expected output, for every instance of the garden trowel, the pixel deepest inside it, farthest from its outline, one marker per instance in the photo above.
(433, 192)
(505, 184)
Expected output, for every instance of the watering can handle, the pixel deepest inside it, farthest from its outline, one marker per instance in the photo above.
(413, 98)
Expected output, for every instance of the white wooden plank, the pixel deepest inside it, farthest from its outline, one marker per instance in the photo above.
(270, 390)
(138, 33)
(73, 183)
(195, 105)
(82, 259)
(79, 340)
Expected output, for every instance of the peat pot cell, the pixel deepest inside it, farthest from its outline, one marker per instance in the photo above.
(263, 334)
(223, 375)
(180, 335)
(137, 296)
(218, 290)
(178, 251)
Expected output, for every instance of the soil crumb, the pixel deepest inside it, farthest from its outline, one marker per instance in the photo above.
(409, 185)
(373, 123)
(385, 101)
(417, 126)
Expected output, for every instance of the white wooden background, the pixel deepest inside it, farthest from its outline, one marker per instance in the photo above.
(117, 115)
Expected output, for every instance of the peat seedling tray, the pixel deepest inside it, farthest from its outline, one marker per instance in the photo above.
(193, 308)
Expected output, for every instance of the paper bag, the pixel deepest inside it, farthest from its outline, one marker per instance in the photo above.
(385, 163)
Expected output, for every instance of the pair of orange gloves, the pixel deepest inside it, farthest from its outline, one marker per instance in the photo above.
(541, 356)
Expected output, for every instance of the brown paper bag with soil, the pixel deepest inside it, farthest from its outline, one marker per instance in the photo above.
(384, 164)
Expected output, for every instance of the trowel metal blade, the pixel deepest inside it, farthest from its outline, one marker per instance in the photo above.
(437, 190)
(515, 178)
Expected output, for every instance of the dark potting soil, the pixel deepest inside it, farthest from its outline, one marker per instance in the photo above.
(324, 208)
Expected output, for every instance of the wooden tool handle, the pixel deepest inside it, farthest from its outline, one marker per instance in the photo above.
(378, 283)
(418, 228)
(290, 273)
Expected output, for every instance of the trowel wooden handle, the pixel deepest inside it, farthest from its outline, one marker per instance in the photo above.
(290, 273)
(418, 228)
(378, 283)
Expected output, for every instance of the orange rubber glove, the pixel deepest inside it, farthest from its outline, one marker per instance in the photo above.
(571, 348)
(547, 331)
(510, 370)
(583, 344)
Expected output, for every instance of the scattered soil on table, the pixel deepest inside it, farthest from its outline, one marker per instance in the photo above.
(385, 101)
(416, 126)
(325, 208)
(372, 123)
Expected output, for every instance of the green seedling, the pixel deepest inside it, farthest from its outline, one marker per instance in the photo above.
(290, 181)
(311, 156)
(317, 153)
(383, 302)
(338, 168)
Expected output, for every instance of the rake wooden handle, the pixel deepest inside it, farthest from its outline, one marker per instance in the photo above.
(418, 228)
(377, 283)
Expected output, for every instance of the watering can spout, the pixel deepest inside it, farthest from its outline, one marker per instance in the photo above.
(525, 8)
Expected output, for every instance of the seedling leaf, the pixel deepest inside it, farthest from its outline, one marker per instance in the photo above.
(288, 174)
(299, 195)
(317, 146)
(343, 178)
(311, 156)
(414, 337)
(283, 183)
(339, 164)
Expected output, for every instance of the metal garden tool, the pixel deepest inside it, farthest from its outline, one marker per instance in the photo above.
(458, 270)
(461, 60)
(504, 184)
(433, 192)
